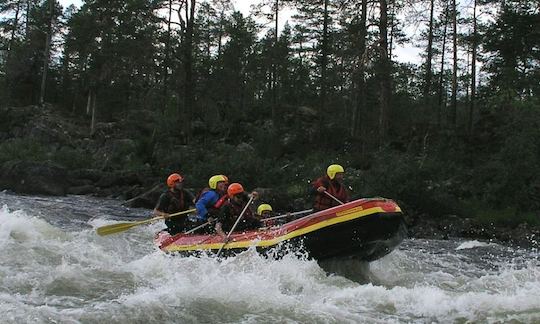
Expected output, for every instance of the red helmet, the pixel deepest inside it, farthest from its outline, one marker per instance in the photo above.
(173, 179)
(234, 189)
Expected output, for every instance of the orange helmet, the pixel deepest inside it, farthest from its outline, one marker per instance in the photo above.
(234, 189)
(173, 179)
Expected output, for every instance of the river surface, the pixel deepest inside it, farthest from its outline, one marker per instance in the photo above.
(54, 268)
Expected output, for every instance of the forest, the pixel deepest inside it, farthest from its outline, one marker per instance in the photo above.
(156, 86)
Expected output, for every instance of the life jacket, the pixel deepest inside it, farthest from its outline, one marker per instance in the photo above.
(221, 201)
(336, 189)
(176, 202)
(247, 221)
(212, 210)
(236, 209)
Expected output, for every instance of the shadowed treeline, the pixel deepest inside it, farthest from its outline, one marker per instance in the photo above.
(143, 88)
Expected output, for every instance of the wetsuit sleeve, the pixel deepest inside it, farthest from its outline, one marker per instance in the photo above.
(188, 198)
(163, 203)
(313, 189)
(316, 184)
(208, 198)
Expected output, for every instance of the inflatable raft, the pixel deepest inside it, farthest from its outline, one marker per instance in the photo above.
(366, 229)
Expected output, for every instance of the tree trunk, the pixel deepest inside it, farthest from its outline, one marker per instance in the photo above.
(92, 102)
(427, 88)
(89, 102)
(274, 67)
(27, 25)
(356, 127)
(14, 30)
(453, 110)
(384, 73)
(441, 77)
(46, 54)
(166, 61)
(189, 94)
(324, 58)
(473, 72)
(391, 43)
(220, 33)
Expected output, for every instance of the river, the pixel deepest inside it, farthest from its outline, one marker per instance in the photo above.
(55, 269)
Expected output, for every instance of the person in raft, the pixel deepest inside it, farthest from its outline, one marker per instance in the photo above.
(331, 183)
(175, 199)
(265, 211)
(210, 199)
(231, 210)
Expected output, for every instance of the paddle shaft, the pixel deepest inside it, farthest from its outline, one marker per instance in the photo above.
(291, 214)
(331, 196)
(234, 226)
(180, 213)
(120, 227)
(198, 227)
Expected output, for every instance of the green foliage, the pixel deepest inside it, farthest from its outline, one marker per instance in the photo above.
(266, 115)
(506, 216)
(72, 158)
(31, 150)
(22, 149)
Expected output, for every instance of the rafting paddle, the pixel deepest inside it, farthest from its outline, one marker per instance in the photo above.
(198, 227)
(234, 226)
(331, 196)
(287, 215)
(120, 227)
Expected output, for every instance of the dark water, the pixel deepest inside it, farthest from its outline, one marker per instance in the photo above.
(55, 269)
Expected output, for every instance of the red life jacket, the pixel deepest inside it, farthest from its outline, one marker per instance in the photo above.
(221, 202)
(212, 210)
(336, 189)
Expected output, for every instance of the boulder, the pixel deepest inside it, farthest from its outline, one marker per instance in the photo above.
(244, 148)
(42, 178)
(81, 190)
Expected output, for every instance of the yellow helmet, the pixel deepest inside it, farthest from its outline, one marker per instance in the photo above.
(213, 181)
(333, 169)
(262, 208)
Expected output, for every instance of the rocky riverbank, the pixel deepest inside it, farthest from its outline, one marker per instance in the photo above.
(44, 152)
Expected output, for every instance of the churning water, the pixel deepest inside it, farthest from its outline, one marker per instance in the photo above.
(55, 269)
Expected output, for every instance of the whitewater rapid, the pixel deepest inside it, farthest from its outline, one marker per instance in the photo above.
(55, 269)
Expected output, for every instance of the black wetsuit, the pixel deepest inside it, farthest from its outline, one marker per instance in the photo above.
(173, 202)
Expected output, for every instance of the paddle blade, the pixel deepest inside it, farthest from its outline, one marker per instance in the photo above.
(114, 228)
(120, 227)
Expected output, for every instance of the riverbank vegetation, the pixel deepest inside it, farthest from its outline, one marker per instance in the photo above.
(143, 88)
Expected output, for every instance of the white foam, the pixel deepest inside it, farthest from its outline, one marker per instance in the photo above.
(79, 276)
(471, 245)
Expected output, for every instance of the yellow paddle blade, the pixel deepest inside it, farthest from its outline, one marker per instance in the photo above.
(120, 227)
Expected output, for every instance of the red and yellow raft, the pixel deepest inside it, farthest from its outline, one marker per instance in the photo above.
(366, 229)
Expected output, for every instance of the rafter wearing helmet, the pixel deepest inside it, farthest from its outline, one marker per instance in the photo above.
(210, 199)
(332, 183)
(236, 200)
(175, 199)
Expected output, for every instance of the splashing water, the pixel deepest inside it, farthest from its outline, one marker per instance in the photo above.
(54, 268)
